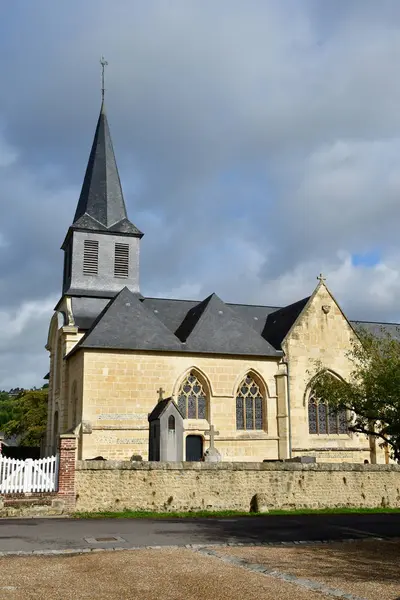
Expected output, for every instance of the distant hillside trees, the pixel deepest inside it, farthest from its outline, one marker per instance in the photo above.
(6, 408)
(24, 415)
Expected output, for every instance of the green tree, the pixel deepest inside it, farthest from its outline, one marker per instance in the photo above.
(372, 392)
(29, 417)
(6, 409)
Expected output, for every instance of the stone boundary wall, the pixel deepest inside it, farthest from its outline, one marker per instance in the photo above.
(115, 486)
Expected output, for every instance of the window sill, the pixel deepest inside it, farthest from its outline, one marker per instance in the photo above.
(329, 436)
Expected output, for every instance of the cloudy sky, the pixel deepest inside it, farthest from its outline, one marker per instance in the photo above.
(258, 143)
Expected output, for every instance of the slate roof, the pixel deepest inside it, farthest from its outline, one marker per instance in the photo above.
(126, 324)
(160, 407)
(379, 329)
(86, 310)
(130, 321)
(101, 205)
(212, 326)
(280, 322)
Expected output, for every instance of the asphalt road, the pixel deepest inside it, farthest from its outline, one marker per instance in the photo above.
(59, 534)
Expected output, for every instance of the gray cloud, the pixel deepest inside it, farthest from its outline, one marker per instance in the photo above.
(258, 143)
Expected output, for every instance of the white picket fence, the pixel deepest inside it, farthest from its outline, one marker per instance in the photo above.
(24, 476)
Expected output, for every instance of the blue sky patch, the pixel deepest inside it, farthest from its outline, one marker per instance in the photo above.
(366, 259)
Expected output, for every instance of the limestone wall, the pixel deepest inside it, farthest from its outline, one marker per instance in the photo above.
(323, 334)
(112, 485)
(120, 389)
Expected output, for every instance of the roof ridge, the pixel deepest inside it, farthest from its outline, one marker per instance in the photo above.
(199, 301)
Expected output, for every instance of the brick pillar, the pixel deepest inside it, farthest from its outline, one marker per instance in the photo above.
(66, 472)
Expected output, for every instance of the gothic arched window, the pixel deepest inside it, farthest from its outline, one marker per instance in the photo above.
(192, 399)
(171, 423)
(249, 405)
(324, 420)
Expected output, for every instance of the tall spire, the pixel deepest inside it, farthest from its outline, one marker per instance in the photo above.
(101, 203)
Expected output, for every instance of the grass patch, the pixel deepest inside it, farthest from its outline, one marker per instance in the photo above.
(202, 514)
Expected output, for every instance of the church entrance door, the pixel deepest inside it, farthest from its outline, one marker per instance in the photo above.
(194, 448)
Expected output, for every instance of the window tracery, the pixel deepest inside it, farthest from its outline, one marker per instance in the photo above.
(192, 398)
(249, 405)
(324, 420)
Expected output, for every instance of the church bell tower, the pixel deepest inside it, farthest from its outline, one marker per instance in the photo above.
(101, 248)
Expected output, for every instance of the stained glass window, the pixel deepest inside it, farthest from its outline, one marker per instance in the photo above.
(322, 417)
(312, 416)
(239, 413)
(324, 420)
(201, 407)
(258, 412)
(249, 413)
(249, 405)
(191, 404)
(343, 421)
(192, 400)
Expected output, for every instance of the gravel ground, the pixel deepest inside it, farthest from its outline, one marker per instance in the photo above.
(138, 574)
(367, 569)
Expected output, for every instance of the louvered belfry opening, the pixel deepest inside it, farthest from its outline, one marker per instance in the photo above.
(121, 260)
(91, 257)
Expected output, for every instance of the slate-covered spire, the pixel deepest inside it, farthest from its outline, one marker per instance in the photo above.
(101, 248)
(101, 203)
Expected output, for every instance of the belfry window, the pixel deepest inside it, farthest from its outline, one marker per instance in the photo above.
(90, 257)
(249, 405)
(121, 260)
(324, 420)
(192, 399)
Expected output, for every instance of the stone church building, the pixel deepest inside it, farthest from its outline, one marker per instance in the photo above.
(243, 369)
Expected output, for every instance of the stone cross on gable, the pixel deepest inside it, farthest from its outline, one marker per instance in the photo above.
(321, 278)
(160, 393)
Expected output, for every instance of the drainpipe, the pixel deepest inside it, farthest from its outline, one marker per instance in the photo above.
(286, 362)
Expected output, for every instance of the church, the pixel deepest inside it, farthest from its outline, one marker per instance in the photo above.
(241, 374)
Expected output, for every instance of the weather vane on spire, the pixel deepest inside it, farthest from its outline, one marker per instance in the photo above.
(103, 63)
